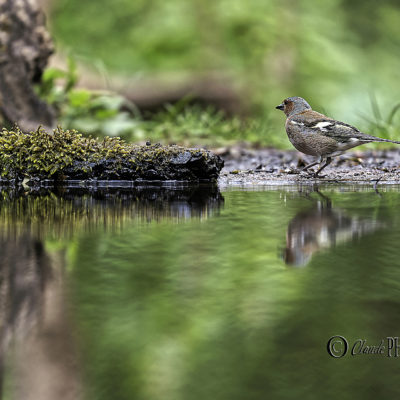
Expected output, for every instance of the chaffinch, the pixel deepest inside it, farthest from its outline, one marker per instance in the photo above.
(318, 135)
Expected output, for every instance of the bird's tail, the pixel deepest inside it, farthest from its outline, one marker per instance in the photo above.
(387, 140)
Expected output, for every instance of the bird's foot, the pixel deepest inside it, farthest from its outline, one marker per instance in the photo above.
(305, 173)
(310, 173)
(315, 175)
(292, 171)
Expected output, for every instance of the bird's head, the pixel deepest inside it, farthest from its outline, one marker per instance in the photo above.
(293, 105)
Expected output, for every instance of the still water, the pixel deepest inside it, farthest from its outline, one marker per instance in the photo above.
(192, 293)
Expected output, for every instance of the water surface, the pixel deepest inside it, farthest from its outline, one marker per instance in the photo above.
(193, 294)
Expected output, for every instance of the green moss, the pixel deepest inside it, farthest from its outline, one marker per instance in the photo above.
(68, 154)
(43, 154)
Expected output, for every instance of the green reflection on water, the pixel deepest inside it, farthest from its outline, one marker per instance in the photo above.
(210, 310)
(212, 307)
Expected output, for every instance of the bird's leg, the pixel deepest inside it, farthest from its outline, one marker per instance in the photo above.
(327, 162)
(310, 165)
(305, 169)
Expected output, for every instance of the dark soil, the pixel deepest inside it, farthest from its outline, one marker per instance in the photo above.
(270, 166)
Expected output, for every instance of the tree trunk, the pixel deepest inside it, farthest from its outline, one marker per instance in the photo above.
(25, 46)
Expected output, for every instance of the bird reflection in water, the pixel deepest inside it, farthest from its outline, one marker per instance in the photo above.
(322, 227)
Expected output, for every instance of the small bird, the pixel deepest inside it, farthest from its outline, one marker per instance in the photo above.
(318, 135)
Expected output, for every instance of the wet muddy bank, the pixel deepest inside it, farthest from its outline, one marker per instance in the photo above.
(279, 167)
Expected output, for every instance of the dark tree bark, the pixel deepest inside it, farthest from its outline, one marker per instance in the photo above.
(24, 274)
(35, 321)
(25, 46)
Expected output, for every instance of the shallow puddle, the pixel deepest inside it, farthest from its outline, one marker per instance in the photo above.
(192, 293)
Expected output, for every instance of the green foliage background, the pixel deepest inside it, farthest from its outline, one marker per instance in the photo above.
(337, 54)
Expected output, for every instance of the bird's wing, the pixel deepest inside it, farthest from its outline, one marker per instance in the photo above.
(329, 127)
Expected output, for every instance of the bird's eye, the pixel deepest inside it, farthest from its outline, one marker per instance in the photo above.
(285, 102)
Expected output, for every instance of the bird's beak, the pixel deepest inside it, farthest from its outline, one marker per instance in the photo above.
(280, 107)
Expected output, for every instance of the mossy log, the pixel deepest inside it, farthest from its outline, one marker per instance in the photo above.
(68, 155)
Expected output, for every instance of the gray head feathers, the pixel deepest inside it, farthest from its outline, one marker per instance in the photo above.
(293, 105)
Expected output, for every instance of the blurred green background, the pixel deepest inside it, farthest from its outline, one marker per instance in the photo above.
(342, 56)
